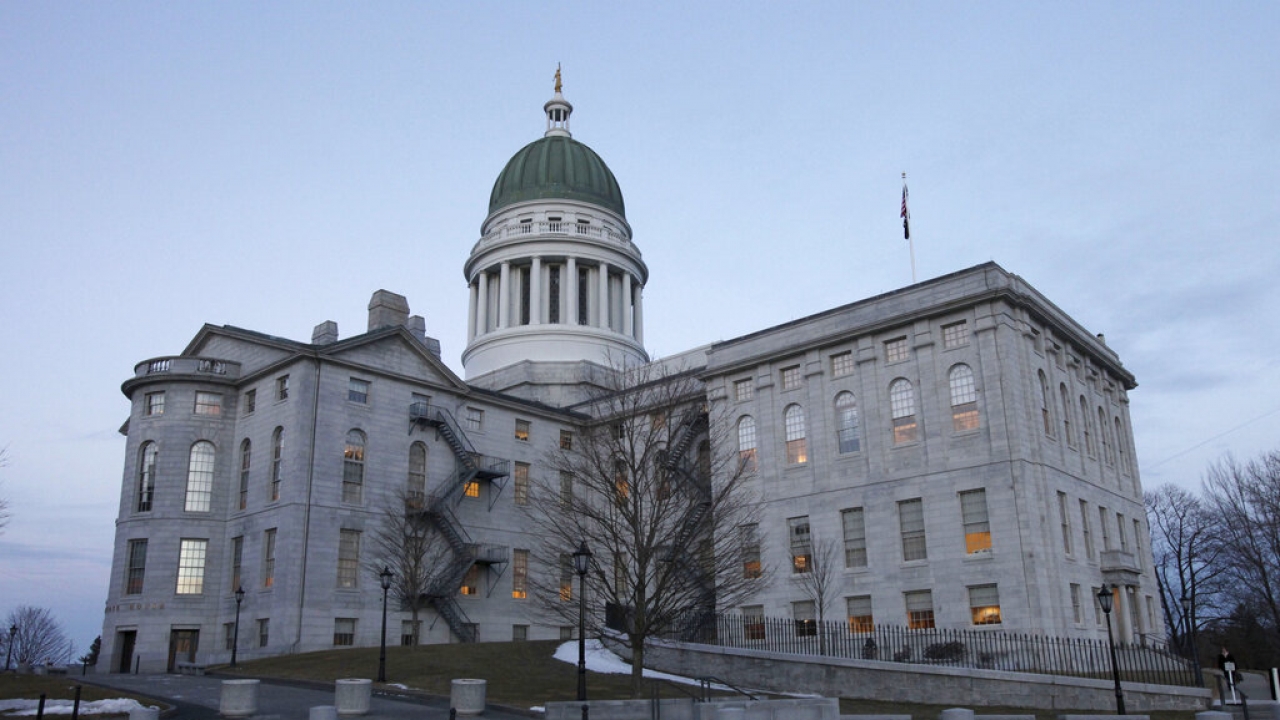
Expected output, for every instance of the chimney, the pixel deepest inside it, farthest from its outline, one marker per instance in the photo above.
(325, 333)
(418, 326)
(387, 309)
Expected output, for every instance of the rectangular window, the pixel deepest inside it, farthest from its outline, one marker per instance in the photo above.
(358, 391)
(245, 462)
(1103, 524)
(566, 632)
(282, 388)
(791, 377)
(919, 604)
(471, 489)
(406, 633)
(250, 401)
(1097, 609)
(566, 440)
(859, 610)
(955, 334)
(344, 631)
(519, 633)
(1064, 519)
(208, 403)
(743, 390)
(520, 480)
(1137, 543)
(154, 403)
(749, 538)
(237, 557)
(854, 525)
(984, 604)
(519, 574)
(475, 419)
(553, 289)
(753, 622)
(1077, 611)
(1120, 533)
(895, 350)
(522, 430)
(566, 488)
(471, 582)
(137, 567)
(584, 292)
(805, 614)
(191, 557)
(977, 525)
(1084, 528)
(264, 632)
(348, 558)
(269, 558)
(911, 519)
(801, 545)
(228, 635)
(566, 577)
(842, 364)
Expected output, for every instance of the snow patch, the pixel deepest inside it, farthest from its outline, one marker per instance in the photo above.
(118, 706)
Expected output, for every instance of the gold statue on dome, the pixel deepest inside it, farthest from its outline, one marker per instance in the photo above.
(557, 78)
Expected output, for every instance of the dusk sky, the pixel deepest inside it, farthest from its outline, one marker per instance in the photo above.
(271, 165)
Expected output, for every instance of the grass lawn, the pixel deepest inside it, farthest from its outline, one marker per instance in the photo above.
(56, 687)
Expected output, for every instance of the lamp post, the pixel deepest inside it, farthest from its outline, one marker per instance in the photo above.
(582, 563)
(1105, 600)
(235, 636)
(13, 631)
(385, 577)
(1188, 611)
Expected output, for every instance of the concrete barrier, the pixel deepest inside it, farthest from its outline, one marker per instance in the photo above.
(351, 696)
(467, 696)
(1213, 715)
(956, 714)
(239, 698)
(144, 713)
(322, 712)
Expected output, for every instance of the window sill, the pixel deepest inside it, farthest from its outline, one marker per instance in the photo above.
(979, 557)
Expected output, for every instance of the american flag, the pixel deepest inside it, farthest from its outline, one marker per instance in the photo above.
(906, 216)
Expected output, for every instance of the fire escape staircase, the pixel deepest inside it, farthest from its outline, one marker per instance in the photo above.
(695, 483)
(469, 466)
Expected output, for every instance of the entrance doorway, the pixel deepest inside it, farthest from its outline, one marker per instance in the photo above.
(126, 640)
(182, 647)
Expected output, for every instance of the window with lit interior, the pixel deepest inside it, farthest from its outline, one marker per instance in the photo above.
(964, 399)
(902, 406)
(797, 445)
(984, 604)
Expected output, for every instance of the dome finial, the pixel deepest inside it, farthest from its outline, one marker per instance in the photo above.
(558, 110)
(557, 78)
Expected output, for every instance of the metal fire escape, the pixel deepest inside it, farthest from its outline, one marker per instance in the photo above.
(469, 467)
(693, 477)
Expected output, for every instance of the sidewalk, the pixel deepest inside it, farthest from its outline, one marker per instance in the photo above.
(197, 698)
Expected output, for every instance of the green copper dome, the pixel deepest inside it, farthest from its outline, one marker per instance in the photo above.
(556, 167)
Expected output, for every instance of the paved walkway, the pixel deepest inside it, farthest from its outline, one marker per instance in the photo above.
(197, 698)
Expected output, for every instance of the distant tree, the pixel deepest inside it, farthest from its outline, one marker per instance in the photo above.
(40, 638)
(659, 498)
(821, 582)
(91, 657)
(1186, 554)
(408, 544)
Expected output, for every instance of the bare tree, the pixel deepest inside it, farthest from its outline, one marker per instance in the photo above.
(408, 544)
(1245, 497)
(39, 639)
(1187, 559)
(820, 582)
(659, 499)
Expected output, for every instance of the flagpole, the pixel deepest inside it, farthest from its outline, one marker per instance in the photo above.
(906, 229)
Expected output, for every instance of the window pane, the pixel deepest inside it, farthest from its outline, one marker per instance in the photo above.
(855, 537)
(977, 528)
(984, 604)
(191, 558)
(348, 558)
(200, 477)
(902, 405)
(911, 518)
(801, 547)
(847, 423)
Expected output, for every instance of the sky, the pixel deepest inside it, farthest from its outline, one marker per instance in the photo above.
(271, 165)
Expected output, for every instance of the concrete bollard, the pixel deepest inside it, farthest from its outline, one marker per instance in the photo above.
(144, 713)
(467, 696)
(239, 698)
(956, 714)
(352, 696)
(323, 712)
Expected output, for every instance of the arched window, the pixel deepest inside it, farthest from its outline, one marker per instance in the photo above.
(1107, 452)
(245, 455)
(146, 475)
(1084, 426)
(1066, 415)
(200, 477)
(1045, 415)
(747, 442)
(902, 406)
(847, 423)
(797, 446)
(353, 467)
(277, 462)
(1124, 462)
(416, 491)
(964, 398)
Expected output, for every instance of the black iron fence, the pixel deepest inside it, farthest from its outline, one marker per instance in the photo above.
(986, 648)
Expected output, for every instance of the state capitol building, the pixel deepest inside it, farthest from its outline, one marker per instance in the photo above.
(964, 443)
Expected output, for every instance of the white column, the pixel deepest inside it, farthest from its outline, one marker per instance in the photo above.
(535, 292)
(471, 312)
(482, 307)
(571, 269)
(504, 295)
(602, 283)
(627, 326)
(640, 314)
